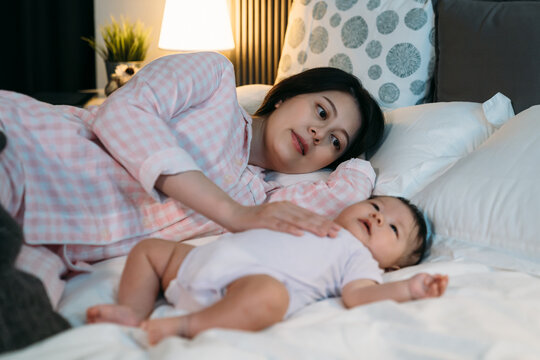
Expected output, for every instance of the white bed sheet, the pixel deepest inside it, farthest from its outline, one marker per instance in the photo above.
(488, 312)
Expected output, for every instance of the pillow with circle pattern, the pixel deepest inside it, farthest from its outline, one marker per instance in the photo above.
(387, 44)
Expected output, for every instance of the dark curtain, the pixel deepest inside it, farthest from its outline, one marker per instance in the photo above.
(42, 50)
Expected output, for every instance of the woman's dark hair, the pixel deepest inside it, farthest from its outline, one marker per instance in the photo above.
(333, 79)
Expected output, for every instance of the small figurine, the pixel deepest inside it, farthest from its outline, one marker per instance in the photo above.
(121, 75)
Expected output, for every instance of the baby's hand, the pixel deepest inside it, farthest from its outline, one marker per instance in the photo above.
(424, 285)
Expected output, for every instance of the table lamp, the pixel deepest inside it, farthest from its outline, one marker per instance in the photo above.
(196, 25)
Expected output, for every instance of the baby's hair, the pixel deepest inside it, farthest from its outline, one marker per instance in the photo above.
(418, 252)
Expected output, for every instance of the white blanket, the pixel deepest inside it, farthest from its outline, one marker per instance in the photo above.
(487, 313)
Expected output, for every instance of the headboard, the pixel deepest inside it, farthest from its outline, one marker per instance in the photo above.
(488, 46)
(408, 52)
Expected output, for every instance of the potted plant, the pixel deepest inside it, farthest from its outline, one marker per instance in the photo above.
(125, 47)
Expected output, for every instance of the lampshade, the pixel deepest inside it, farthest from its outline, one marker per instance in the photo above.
(196, 25)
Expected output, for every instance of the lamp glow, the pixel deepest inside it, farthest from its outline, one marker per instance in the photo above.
(196, 25)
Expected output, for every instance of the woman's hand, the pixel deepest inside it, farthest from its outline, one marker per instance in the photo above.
(281, 216)
(425, 285)
(196, 191)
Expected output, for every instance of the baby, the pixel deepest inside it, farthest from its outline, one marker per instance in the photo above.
(254, 279)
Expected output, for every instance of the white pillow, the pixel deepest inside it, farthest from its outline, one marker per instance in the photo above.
(250, 97)
(423, 141)
(387, 44)
(492, 196)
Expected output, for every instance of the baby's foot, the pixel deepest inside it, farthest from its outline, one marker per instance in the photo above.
(158, 329)
(117, 314)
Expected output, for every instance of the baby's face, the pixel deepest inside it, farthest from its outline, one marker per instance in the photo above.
(384, 225)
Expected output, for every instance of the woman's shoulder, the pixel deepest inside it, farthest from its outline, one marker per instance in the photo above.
(198, 61)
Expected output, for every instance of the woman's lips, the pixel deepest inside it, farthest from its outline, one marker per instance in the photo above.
(299, 143)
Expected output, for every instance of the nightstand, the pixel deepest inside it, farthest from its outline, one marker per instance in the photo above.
(72, 98)
(98, 98)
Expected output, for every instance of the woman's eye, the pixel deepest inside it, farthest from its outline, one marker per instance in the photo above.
(335, 142)
(375, 206)
(321, 112)
(394, 228)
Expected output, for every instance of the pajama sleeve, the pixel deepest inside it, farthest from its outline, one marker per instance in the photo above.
(137, 122)
(352, 181)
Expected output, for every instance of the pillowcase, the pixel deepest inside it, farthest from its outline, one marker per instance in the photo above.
(387, 44)
(422, 142)
(485, 47)
(250, 97)
(490, 198)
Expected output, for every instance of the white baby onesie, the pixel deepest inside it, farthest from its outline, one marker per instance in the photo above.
(311, 267)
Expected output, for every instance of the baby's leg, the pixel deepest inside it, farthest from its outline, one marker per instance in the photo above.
(140, 282)
(252, 302)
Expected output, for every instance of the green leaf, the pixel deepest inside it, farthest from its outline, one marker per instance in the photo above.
(123, 41)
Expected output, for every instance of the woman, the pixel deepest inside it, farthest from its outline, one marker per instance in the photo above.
(171, 150)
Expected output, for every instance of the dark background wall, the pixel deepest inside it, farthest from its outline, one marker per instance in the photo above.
(42, 50)
(42, 53)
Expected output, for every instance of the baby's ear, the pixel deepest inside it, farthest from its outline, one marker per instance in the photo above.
(392, 268)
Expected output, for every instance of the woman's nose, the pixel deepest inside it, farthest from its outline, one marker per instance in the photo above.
(316, 136)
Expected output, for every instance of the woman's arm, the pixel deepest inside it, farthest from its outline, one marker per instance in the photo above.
(207, 198)
(137, 126)
(138, 122)
(420, 286)
(352, 181)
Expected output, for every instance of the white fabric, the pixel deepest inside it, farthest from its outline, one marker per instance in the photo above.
(498, 110)
(250, 97)
(387, 44)
(487, 311)
(311, 267)
(485, 314)
(492, 197)
(422, 142)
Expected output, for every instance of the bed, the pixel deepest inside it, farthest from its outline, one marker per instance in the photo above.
(462, 142)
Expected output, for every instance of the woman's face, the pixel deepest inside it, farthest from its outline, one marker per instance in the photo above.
(310, 131)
